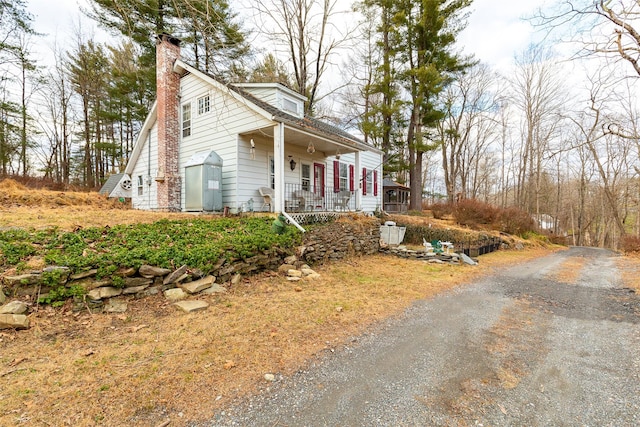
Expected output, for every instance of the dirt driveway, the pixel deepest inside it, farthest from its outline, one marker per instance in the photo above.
(554, 342)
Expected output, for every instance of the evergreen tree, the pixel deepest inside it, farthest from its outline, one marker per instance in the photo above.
(207, 28)
(420, 35)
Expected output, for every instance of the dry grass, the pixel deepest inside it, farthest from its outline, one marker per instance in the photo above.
(629, 266)
(569, 271)
(27, 208)
(154, 363)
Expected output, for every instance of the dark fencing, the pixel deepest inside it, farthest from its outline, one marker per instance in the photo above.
(474, 248)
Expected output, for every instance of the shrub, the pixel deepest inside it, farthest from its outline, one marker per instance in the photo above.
(515, 221)
(439, 210)
(472, 212)
(630, 244)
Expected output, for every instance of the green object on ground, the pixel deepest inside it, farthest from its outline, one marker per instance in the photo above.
(279, 224)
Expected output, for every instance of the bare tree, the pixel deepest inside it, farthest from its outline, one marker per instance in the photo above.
(468, 128)
(601, 27)
(538, 94)
(306, 30)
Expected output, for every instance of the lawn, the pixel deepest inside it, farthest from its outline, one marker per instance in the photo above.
(154, 363)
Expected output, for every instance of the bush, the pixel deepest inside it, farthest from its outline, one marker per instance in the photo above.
(439, 210)
(471, 212)
(515, 221)
(630, 244)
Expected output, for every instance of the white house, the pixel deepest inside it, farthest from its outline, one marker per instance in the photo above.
(206, 145)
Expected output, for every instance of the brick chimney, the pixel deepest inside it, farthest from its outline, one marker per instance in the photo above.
(169, 182)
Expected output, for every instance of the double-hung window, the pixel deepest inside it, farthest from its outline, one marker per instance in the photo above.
(204, 105)
(306, 177)
(186, 120)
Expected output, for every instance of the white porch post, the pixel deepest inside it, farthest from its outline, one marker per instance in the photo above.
(278, 167)
(359, 183)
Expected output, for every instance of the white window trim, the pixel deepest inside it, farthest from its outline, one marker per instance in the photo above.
(206, 105)
(309, 178)
(369, 182)
(346, 176)
(183, 128)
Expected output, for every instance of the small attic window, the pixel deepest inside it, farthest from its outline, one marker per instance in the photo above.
(204, 105)
(290, 106)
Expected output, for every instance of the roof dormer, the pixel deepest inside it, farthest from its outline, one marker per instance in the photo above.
(277, 95)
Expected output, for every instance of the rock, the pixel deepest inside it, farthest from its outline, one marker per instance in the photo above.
(519, 246)
(175, 294)
(198, 285)
(192, 305)
(89, 284)
(134, 289)
(269, 377)
(294, 273)
(14, 307)
(115, 305)
(173, 277)
(14, 321)
(286, 267)
(290, 259)
(180, 279)
(435, 261)
(236, 279)
(150, 271)
(22, 279)
(84, 274)
(467, 260)
(131, 282)
(294, 279)
(3, 298)
(126, 271)
(307, 271)
(105, 292)
(214, 289)
(313, 276)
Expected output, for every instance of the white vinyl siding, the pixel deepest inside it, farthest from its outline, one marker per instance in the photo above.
(146, 168)
(219, 131)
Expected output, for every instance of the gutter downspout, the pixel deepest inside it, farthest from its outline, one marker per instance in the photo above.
(293, 221)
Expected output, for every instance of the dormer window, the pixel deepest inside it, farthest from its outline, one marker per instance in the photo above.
(290, 106)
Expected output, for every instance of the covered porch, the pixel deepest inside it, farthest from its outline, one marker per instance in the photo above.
(307, 171)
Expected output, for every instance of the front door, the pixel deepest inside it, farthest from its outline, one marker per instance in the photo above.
(318, 179)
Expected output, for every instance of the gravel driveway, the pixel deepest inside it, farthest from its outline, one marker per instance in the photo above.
(516, 349)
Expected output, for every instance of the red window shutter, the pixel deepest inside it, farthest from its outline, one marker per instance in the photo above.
(336, 176)
(364, 181)
(375, 182)
(352, 175)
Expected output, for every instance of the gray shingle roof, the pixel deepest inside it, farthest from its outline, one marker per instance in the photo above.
(111, 184)
(304, 123)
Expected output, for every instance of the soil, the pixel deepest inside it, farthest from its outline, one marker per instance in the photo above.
(530, 345)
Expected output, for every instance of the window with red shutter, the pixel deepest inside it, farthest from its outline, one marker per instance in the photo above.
(336, 176)
(375, 182)
(364, 181)
(352, 175)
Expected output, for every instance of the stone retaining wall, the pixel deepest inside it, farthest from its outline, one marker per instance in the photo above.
(341, 240)
(333, 241)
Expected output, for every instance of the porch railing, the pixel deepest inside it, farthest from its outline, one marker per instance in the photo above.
(307, 198)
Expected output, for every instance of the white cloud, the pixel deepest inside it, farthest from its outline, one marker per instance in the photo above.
(497, 30)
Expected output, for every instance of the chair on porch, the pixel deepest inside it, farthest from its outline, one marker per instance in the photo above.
(309, 201)
(267, 195)
(342, 200)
